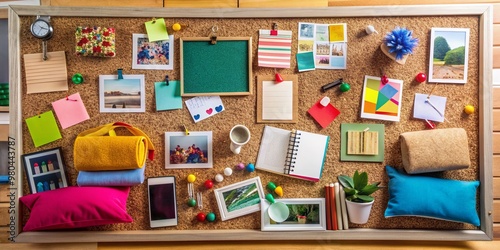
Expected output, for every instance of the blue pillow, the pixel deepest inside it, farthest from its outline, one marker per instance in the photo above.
(431, 197)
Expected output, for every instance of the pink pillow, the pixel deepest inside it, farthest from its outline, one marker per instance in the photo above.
(75, 207)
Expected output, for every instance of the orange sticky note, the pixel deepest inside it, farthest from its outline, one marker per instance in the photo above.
(157, 30)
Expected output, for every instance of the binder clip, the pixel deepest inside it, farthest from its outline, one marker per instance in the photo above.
(120, 74)
(213, 35)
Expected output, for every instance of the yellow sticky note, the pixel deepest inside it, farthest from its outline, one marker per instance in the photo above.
(157, 30)
(337, 33)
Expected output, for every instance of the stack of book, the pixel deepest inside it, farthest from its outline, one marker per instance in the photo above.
(336, 212)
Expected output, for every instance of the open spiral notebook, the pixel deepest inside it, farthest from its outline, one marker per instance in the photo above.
(296, 153)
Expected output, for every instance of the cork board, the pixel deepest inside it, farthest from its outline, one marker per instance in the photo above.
(364, 58)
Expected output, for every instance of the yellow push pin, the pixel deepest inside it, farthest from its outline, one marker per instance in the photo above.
(469, 109)
(191, 178)
(178, 26)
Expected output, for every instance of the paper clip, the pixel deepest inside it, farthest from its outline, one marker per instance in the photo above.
(274, 31)
(199, 200)
(120, 74)
(166, 80)
(190, 190)
(185, 129)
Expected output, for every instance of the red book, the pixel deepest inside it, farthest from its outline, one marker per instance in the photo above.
(328, 209)
(333, 207)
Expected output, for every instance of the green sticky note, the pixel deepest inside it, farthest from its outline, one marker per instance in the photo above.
(344, 127)
(43, 128)
(157, 30)
(168, 97)
(305, 61)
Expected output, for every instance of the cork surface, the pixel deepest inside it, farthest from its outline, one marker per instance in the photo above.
(364, 58)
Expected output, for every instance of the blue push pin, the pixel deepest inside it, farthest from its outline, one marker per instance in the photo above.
(250, 167)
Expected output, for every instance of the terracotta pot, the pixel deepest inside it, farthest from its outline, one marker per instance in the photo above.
(359, 212)
(385, 49)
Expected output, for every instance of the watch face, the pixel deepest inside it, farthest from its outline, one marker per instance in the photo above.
(41, 29)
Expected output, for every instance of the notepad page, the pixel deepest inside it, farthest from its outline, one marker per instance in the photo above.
(277, 100)
(310, 155)
(273, 149)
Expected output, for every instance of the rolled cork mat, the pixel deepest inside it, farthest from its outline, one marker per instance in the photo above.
(435, 150)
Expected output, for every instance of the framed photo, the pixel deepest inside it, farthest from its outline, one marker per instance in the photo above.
(152, 55)
(240, 198)
(449, 55)
(188, 151)
(305, 214)
(45, 170)
(125, 95)
(381, 101)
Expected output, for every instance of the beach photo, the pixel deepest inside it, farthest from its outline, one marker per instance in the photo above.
(449, 55)
(121, 95)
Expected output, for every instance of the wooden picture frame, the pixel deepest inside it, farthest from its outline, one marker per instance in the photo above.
(210, 69)
(484, 13)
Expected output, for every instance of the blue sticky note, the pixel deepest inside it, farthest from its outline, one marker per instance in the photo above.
(168, 97)
(305, 61)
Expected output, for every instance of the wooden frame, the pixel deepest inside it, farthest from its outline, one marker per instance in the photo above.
(203, 67)
(483, 12)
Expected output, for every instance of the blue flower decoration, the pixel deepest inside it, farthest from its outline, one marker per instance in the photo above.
(400, 42)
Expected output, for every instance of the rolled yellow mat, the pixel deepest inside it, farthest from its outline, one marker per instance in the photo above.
(97, 153)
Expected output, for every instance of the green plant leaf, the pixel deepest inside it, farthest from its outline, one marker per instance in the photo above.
(369, 189)
(360, 180)
(346, 181)
(349, 191)
(364, 198)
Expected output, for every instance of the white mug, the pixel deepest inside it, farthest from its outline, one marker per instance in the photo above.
(239, 135)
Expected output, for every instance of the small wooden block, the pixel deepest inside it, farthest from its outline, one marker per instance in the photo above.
(362, 142)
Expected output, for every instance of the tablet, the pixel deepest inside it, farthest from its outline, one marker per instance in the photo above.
(162, 201)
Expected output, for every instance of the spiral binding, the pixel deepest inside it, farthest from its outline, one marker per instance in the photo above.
(291, 154)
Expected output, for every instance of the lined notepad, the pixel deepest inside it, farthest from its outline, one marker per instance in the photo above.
(277, 100)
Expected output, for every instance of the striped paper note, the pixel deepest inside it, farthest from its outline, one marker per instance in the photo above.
(274, 51)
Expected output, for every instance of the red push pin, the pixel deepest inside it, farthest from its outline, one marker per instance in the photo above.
(208, 184)
(421, 77)
(201, 217)
(429, 124)
(384, 79)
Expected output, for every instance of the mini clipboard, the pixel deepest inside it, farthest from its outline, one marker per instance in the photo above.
(260, 98)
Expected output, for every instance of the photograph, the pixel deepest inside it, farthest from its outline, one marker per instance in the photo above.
(240, 198)
(322, 33)
(306, 30)
(188, 151)
(45, 170)
(125, 95)
(152, 55)
(304, 214)
(449, 55)
(381, 101)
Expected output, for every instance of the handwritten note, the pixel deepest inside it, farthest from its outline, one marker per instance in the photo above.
(168, 97)
(277, 100)
(43, 128)
(202, 107)
(157, 30)
(70, 110)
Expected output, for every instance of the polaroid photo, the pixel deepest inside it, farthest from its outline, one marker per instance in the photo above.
(152, 55)
(188, 151)
(125, 95)
(240, 198)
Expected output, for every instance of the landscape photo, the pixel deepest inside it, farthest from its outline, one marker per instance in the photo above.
(449, 55)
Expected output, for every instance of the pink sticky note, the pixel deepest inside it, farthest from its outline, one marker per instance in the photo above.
(324, 115)
(70, 110)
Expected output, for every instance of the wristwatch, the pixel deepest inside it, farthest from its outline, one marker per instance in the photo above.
(41, 28)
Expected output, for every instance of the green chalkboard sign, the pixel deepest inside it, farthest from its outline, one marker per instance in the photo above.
(223, 68)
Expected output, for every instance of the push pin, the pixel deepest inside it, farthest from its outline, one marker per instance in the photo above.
(167, 80)
(469, 109)
(120, 74)
(325, 101)
(77, 78)
(208, 184)
(210, 217)
(429, 124)
(240, 166)
(384, 79)
(421, 77)
(201, 217)
(186, 131)
(276, 189)
(370, 30)
(228, 171)
(277, 77)
(178, 26)
(219, 178)
(250, 167)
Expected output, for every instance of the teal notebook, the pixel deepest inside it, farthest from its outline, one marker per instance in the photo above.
(297, 153)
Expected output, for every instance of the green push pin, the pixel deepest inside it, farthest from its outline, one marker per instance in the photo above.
(77, 78)
(191, 202)
(278, 211)
(210, 217)
(344, 87)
